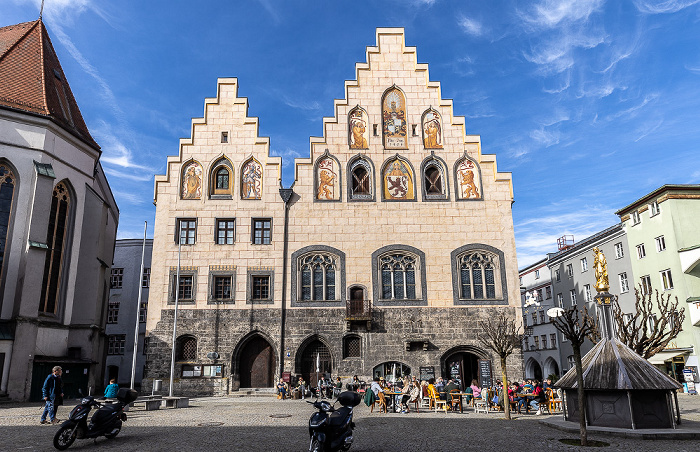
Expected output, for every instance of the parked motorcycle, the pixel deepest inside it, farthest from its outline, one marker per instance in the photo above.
(330, 430)
(107, 420)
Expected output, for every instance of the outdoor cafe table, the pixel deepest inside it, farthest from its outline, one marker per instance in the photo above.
(392, 397)
(528, 397)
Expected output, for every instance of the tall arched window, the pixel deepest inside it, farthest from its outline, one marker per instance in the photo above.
(186, 348)
(318, 277)
(56, 241)
(360, 180)
(477, 276)
(222, 179)
(7, 191)
(398, 277)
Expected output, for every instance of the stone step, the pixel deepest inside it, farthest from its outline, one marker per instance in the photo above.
(254, 392)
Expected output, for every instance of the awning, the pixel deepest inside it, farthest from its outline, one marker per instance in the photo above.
(692, 361)
(662, 357)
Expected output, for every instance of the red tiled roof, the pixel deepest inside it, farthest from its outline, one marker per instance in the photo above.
(32, 80)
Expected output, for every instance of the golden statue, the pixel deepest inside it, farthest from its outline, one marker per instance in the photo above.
(600, 264)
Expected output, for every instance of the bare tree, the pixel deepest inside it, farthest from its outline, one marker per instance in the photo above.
(577, 325)
(651, 326)
(501, 335)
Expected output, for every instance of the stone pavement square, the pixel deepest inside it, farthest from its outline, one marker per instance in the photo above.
(267, 424)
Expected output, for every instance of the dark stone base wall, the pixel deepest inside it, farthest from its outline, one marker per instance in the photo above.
(224, 331)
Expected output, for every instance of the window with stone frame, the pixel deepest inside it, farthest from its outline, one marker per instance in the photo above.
(479, 276)
(398, 276)
(187, 285)
(222, 284)
(261, 231)
(186, 230)
(317, 277)
(352, 347)
(434, 179)
(115, 344)
(361, 186)
(225, 231)
(116, 278)
(186, 348)
(113, 312)
(261, 287)
(57, 240)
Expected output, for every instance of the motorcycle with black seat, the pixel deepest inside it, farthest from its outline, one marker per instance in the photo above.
(107, 420)
(330, 429)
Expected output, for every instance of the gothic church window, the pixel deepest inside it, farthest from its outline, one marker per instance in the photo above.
(221, 179)
(318, 277)
(478, 273)
(58, 229)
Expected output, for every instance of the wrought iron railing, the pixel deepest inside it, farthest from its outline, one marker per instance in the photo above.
(358, 310)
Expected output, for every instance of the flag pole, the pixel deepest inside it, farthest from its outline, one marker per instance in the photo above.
(176, 285)
(139, 283)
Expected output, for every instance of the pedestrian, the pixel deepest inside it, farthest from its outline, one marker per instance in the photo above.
(52, 391)
(112, 389)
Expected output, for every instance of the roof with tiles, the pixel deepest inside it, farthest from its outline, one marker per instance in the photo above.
(32, 80)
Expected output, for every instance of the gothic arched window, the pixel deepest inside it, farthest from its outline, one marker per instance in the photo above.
(479, 273)
(56, 241)
(361, 180)
(398, 276)
(318, 277)
(7, 191)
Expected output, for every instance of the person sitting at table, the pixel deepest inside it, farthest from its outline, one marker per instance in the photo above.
(440, 385)
(382, 383)
(281, 390)
(540, 398)
(451, 386)
(405, 395)
(476, 390)
(376, 387)
(354, 385)
(547, 384)
(527, 387)
(468, 390)
(520, 401)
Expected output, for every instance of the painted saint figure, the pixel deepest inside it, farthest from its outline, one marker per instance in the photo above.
(358, 129)
(250, 180)
(432, 132)
(192, 182)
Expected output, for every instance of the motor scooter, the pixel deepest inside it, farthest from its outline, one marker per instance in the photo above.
(330, 430)
(107, 420)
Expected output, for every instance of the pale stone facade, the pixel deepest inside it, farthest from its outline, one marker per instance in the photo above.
(391, 177)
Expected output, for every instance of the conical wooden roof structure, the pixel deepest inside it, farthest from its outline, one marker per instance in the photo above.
(32, 80)
(612, 365)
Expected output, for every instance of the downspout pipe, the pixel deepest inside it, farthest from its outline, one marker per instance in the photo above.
(286, 195)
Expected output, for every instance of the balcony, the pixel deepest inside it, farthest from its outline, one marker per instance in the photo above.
(360, 311)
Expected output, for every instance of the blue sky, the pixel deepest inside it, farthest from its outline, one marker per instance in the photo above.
(589, 103)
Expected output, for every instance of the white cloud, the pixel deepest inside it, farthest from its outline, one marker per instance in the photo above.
(598, 91)
(553, 13)
(647, 128)
(694, 70)
(470, 26)
(545, 137)
(300, 104)
(555, 55)
(632, 111)
(663, 6)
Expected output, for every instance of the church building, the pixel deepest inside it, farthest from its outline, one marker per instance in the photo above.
(393, 243)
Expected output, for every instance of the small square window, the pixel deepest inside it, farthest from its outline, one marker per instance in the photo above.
(646, 284)
(115, 344)
(146, 278)
(113, 312)
(225, 229)
(666, 280)
(584, 265)
(654, 208)
(570, 270)
(635, 218)
(261, 288)
(262, 231)
(224, 137)
(187, 228)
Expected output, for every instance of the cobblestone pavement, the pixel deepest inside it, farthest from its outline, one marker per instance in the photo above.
(268, 424)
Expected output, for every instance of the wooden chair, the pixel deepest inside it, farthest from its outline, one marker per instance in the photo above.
(481, 404)
(553, 402)
(455, 401)
(381, 401)
(436, 402)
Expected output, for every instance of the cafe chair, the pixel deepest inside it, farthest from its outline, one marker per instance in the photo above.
(481, 405)
(455, 400)
(381, 402)
(436, 402)
(553, 402)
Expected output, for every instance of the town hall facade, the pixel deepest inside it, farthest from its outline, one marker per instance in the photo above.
(393, 244)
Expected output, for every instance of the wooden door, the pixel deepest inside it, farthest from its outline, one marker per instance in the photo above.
(256, 364)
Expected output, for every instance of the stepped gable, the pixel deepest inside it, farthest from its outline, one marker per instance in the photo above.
(612, 365)
(32, 80)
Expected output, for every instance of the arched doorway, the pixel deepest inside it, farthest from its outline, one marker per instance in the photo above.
(315, 361)
(551, 368)
(256, 363)
(462, 364)
(533, 369)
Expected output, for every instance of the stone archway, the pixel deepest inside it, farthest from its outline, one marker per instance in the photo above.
(533, 369)
(314, 359)
(550, 367)
(255, 362)
(462, 363)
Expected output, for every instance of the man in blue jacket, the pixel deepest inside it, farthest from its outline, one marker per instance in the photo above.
(52, 388)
